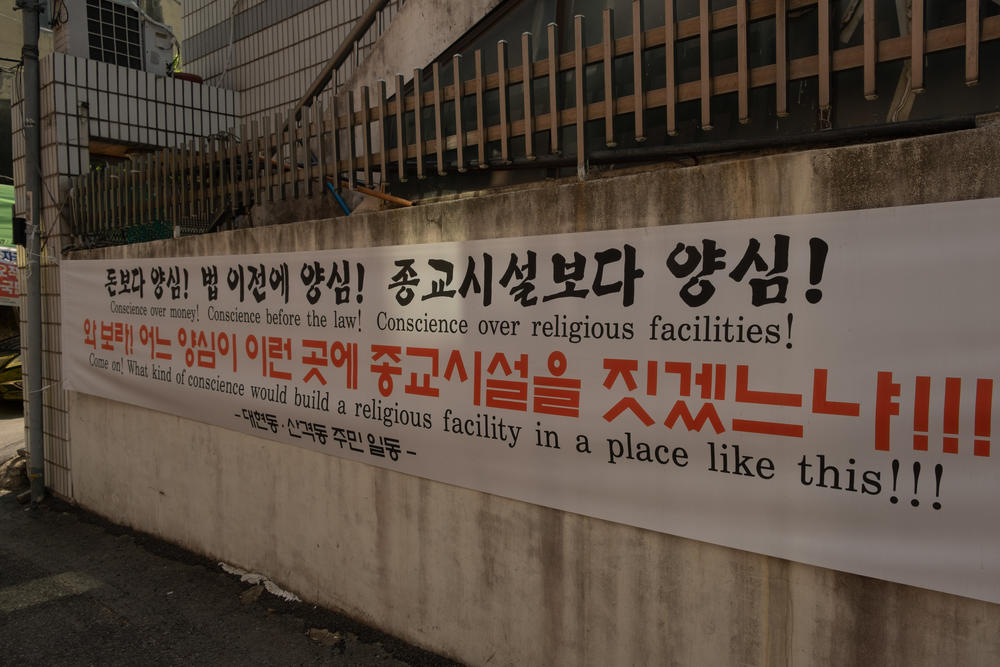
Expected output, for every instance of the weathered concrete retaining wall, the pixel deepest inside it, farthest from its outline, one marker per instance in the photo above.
(490, 580)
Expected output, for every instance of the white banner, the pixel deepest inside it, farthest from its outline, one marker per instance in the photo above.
(818, 388)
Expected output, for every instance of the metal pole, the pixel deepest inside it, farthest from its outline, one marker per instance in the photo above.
(30, 98)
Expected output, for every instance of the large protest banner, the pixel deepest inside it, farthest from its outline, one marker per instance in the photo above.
(818, 388)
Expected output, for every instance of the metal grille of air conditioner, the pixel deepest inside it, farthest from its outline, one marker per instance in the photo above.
(115, 33)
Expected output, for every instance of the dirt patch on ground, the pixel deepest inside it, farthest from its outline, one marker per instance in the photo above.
(14, 472)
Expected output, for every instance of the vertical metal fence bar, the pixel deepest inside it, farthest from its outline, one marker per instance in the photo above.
(366, 133)
(116, 200)
(742, 63)
(307, 120)
(166, 183)
(136, 178)
(119, 199)
(147, 193)
(917, 46)
(335, 141)
(581, 103)
(502, 83)
(352, 149)
(282, 128)
(155, 186)
(125, 194)
(140, 180)
(704, 30)
(638, 49)
(174, 209)
(294, 141)
(670, 36)
(192, 178)
(383, 134)
(92, 208)
(231, 154)
(98, 201)
(528, 85)
(971, 42)
(80, 188)
(401, 143)
(211, 157)
(480, 110)
(870, 50)
(160, 186)
(163, 185)
(456, 63)
(608, 49)
(155, 196)
(823, 19)
(781, 56)
(321, 132)
(255, 159)
(552, 30)
(209, 176)
(110, 217)
(188, 180)
(203, 166)
(418, 108)
(132, 192)
(438, 120)
(213, 162)
(119, 218)
(150, 178)
(109, 214)
(103, 199)
(273, 127)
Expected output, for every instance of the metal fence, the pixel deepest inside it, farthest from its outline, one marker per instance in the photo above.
(432, 128)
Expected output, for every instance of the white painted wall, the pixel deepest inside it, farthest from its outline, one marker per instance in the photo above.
(484, 579)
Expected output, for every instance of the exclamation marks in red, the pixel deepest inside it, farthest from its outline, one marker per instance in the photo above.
(984, 415)
(818, 249)
(921, 412)
(952, 398)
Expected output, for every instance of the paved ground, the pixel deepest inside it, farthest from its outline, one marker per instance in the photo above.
(75, 590)
(11, 429)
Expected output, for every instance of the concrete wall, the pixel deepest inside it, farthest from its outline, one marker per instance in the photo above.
(489, 580)
(421, 33)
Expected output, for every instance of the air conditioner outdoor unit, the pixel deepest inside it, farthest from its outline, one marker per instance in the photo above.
(116, 32)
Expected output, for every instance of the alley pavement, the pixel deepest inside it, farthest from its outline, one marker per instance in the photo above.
(76, 590)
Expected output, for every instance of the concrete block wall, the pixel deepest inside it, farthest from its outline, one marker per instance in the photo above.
(84, 100)
(129, 106)
(487, 580)
(271, 51)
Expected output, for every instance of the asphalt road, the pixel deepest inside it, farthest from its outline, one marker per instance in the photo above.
(75, 590)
